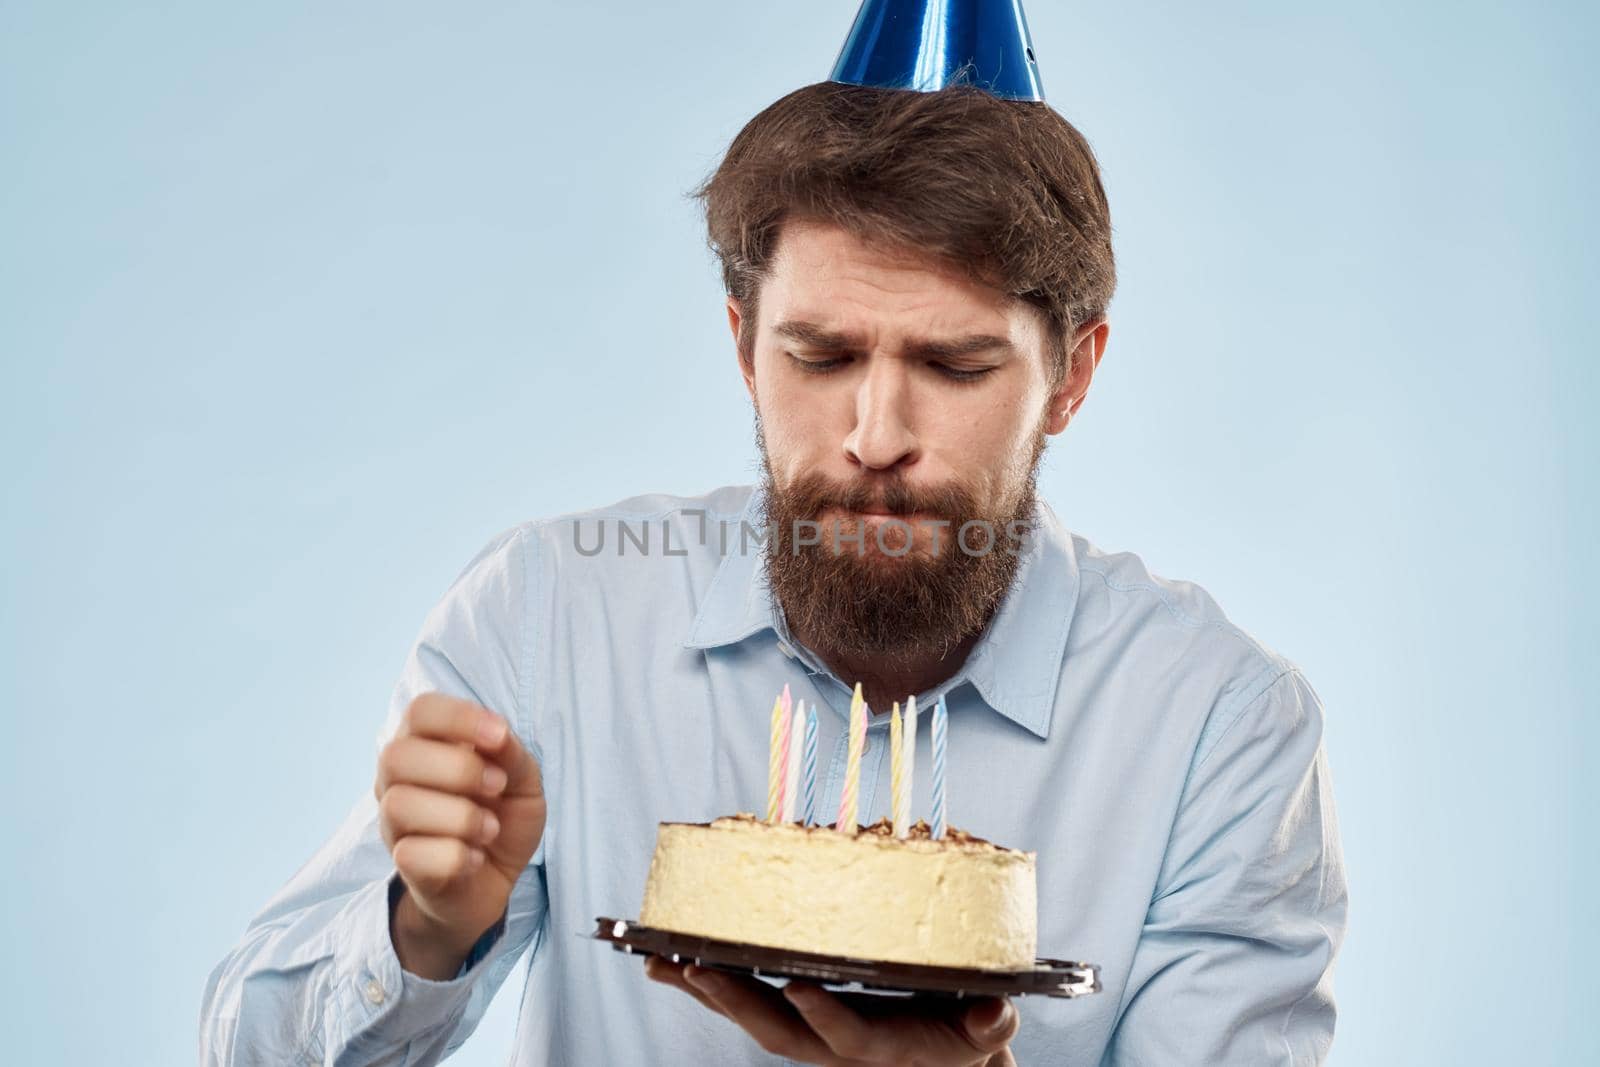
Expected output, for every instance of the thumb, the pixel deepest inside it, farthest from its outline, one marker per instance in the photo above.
(991, 1024)
(522, 769)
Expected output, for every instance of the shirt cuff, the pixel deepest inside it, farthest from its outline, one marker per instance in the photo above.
(386, 1006)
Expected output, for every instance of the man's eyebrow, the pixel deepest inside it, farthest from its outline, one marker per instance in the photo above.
(813, 336)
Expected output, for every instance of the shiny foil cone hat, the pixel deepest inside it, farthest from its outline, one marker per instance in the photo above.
(927, 44)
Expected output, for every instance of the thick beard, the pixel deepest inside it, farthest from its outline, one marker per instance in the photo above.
(850, 598)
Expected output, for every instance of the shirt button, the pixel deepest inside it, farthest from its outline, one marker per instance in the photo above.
(374, 991)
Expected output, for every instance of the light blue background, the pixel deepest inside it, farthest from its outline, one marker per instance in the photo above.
(300, 304)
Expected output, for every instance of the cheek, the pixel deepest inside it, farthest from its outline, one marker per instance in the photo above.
(989, 443)
(802, 423)
(795, 433)
(987, 429)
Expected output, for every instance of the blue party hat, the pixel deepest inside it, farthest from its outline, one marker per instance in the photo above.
(925, 44)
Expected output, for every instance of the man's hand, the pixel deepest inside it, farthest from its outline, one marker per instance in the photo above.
(806, 1023)
(461, 808)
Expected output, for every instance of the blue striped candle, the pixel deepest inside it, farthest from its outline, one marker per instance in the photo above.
(808, 770)
(908, 739)
(941, 728)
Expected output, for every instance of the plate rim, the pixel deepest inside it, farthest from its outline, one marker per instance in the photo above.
(1048, 977)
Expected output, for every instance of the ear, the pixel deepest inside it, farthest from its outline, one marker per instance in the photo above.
(747, 369)
(1087, 345)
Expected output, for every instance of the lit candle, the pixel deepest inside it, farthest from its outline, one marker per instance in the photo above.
(897, 804)
(941, 728)
(774, 766)
(791, 778)
(909, 762)
(810, 769)
(846, 821)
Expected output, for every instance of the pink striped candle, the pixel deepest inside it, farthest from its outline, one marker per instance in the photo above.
(785, 730)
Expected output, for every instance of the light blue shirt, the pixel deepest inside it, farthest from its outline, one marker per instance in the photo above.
(1167, 768)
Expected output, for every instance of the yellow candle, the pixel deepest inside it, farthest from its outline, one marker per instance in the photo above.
(847, 821)
(775, 766)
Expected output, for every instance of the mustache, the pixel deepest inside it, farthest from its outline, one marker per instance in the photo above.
(813, 493)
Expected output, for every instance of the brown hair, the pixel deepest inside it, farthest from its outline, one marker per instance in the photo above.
(1006, 191)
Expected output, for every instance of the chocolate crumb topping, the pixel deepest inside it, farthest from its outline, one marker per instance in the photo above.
(920, 830)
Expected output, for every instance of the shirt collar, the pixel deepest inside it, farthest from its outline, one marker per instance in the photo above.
(738, 603)
(1016, 665)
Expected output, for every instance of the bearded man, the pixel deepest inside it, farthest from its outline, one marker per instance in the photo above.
(917, 282)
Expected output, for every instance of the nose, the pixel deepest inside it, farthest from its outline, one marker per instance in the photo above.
(882, 438)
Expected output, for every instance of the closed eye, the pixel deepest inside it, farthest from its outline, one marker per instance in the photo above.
(823, 366)
(958, 374)
(819, 366)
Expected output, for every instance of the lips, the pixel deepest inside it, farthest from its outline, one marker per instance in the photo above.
(882, 517)
(874, 516)
(878, 513)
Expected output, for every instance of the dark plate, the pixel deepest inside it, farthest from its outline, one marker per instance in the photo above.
(1051, 978)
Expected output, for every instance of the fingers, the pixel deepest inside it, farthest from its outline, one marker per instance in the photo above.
(805, 1022)
(841, 1028)
(460, 723)
(448, 718)
(669, 973)
(439, 765)
(990, 1024)
(432, 864)
(985, 1028)
(409, 809)
(762, 1012)
(522, 770)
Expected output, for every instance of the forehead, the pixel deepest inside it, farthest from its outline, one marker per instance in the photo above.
(823, 273)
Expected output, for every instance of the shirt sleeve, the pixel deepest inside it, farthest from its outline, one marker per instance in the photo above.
(1235, 959)
(315, 978)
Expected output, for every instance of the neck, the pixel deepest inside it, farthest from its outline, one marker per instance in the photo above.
(883, 682)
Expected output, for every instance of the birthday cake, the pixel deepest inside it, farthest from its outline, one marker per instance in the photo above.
(957, 901)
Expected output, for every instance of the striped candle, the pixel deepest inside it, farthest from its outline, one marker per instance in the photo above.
(809, 768)
(897, 808)
(784, 731)
(908, 763)
(791, 778)
(774, 766)
(846, 822)
(941, 728)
